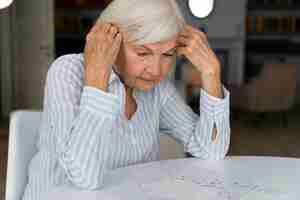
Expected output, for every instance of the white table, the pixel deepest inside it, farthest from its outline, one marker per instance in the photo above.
(234, 178)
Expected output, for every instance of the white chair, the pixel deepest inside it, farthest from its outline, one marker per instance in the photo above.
(23, 129)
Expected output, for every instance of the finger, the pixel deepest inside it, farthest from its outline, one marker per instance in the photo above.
(187, 31)
(92, 31)
(202, 53)
(100, 28)
(202, 37)
(118, 37)
(182, 51)
(196, 39)
(194, 32)
(203, 42)
(116, 45)
(190, 28)
(117, 42)
(184, 33)
(182, 41)
(190, 51)
(190, 43)
(96, 26)
(195, 42)
(206, 42)
(106, 27)
(113, 31)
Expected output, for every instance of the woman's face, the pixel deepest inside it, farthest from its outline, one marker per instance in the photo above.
(144, 66)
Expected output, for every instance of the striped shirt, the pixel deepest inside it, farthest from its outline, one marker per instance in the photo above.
(84, 131)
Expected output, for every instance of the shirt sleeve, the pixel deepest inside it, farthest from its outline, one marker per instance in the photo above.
(195, 132)
(80, 120)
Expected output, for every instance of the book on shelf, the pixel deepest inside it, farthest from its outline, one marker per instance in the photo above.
(273, 4)
(274, 25)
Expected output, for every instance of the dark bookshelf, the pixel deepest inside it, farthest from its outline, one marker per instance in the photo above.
(272, 30)
(273, 4)
(274, 19)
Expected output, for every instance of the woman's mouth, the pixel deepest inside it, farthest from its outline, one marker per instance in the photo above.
(149, 80)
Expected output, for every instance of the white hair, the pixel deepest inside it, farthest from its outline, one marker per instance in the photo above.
(145, 21)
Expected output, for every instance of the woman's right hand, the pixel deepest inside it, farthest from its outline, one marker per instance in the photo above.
(102, 47)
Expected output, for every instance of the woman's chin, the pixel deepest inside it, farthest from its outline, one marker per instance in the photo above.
(147, 86)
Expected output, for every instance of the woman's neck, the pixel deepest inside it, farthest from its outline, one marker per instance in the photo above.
(129, 91)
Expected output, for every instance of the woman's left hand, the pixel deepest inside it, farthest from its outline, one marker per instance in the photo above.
(193, 44)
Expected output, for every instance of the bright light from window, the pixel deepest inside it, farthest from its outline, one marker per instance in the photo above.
(5, 3)
(201, 8)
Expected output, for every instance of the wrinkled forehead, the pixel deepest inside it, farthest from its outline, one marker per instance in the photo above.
(158, 46)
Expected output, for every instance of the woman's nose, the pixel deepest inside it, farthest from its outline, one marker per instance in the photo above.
(155, 67)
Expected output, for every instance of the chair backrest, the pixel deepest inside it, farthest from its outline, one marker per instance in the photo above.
(276, 89)
(23, 132)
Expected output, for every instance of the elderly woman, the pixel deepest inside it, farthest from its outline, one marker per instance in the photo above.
(106, 108)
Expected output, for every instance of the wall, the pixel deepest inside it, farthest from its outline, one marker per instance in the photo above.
(33, 30)
(225, 30)
(6, 62)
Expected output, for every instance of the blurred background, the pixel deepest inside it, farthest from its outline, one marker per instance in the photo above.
(257, 42)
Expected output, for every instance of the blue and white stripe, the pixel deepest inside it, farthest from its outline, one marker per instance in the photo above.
(84, 131)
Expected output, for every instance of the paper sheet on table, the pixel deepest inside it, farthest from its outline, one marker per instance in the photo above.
(202, 183)
(210, 185)
(177, 190)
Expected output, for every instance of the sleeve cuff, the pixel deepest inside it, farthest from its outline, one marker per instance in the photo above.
(100, 102)
(214, 105)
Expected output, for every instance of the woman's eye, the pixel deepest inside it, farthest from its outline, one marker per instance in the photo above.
(142, 54)
(147, 54)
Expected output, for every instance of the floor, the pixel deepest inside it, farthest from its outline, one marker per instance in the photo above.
(252, 134)
(266, 135)
(3, 156)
